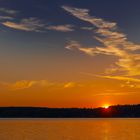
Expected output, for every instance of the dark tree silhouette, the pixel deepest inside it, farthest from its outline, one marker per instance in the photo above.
(124, 111)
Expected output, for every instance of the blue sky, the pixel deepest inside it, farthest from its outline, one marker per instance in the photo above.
(125, 13)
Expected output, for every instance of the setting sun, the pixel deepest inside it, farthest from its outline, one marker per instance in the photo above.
(106, 106)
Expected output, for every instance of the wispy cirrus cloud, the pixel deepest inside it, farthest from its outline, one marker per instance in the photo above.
(36, 25)
(114, 43)
(7, 14)
(121, 78)
(9, 18)
(129, 82)
(6, 18)
(83, 15)
(70, 84)
(87, 28)
(33, 24)
(26, 84)
(27, 24)
(61, 28)
(8, 11)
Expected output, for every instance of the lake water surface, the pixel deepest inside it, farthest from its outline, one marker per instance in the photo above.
(69, 129)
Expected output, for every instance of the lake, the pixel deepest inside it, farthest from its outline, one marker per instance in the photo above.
(70, 129)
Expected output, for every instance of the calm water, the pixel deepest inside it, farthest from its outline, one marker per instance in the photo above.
(70, 129)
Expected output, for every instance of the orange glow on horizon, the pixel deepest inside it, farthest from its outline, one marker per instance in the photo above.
(106, 106)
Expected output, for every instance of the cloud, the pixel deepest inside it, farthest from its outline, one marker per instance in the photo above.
(8, 11)
(34, 24)
(113, 42)
(69, 85)
(9, 19)
(61, 28)
(26, 84)
(83, 15)
(7, 14)
(72, 45)
(27, 24)
(128, 82)
(87, 28)
(115, 93)
(122, 78)
(6, 18)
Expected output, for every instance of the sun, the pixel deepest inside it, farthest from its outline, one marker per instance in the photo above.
(106, 106)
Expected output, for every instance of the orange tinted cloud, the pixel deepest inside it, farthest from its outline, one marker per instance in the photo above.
(24, 84)
(61, 28)
(27, 24)
(114, 43)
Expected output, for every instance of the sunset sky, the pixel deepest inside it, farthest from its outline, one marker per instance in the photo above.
(69, 53)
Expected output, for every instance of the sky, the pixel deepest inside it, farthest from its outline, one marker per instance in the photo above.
(69, 53)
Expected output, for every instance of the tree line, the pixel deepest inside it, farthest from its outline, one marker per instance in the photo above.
(123, 111)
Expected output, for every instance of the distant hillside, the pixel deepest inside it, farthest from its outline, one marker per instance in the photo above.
(124, 111)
